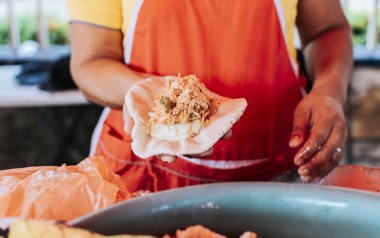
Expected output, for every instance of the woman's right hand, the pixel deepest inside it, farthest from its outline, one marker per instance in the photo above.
(98, 70)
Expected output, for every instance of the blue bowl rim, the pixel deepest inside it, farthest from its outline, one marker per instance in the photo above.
(278, 185)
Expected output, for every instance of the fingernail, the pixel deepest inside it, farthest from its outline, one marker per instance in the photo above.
(167, 158)
(306, 179)
(302, 154)
(303, 171)
(295, 141)
(299, 160)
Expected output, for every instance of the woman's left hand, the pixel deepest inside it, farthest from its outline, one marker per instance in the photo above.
(319, 124)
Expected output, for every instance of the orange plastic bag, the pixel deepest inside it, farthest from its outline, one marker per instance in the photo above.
(60, 193)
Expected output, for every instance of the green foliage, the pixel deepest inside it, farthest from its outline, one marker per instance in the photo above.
(28, 27)
(4, 39)
(359, 23)
(58, 30)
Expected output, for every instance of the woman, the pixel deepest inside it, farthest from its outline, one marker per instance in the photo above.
(238, 49)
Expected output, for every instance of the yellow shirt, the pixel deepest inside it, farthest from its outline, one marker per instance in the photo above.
(116, 14)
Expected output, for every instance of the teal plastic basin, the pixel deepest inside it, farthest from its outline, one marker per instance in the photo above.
(273, 210)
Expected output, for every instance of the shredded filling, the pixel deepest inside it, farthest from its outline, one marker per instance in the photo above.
(184, 99)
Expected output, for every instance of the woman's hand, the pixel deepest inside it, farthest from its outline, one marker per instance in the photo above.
(319, 125)
(172, 158)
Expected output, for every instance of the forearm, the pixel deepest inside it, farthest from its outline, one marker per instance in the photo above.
(97, 64)
(329, 61)
(105, 81)
(319, 127)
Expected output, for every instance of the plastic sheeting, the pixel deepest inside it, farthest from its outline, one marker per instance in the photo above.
(60, 193)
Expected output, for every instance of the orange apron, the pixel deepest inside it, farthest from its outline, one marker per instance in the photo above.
(237, 48)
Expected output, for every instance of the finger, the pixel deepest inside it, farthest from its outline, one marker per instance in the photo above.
(167, 158)
(128, 121)
(330, 165)
(318, 135)
(325, 168)
(204, 154)
(300, 127)
(227, 135)
(325, 160)
(306, 179)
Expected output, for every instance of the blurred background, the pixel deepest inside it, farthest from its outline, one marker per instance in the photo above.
(45, 120)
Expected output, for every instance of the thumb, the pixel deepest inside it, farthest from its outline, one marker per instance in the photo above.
(128, 121)
(167, 158)
(300, 127)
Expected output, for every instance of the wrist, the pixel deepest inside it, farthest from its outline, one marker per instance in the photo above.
(338, 94)
(332, 87)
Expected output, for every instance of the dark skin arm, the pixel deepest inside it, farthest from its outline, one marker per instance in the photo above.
(319, 127)
(97, 64)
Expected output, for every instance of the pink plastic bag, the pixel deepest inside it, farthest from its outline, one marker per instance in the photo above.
(60, 193)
